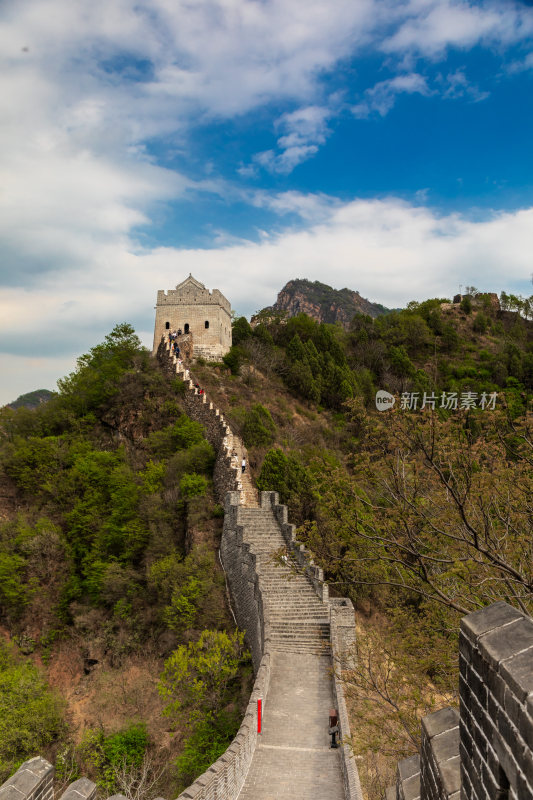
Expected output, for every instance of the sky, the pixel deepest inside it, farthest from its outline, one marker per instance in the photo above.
(379, 145)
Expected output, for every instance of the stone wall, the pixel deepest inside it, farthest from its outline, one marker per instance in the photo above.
(226, 474)
(496, 692)
(484, 752)
(34, 780)
(440, 777)
(342, 627)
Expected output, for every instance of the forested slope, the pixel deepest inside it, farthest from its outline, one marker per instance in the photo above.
(112, 604)
(419, 515)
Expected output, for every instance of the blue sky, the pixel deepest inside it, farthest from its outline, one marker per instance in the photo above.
(379, 145)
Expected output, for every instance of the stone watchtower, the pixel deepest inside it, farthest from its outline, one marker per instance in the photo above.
(204, 317)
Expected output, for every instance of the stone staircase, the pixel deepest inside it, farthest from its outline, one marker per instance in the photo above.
(299, 621)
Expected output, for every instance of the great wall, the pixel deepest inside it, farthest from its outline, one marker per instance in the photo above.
(300, 641)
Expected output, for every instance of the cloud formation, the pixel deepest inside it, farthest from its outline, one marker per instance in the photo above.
(102, 102)
(389, 250)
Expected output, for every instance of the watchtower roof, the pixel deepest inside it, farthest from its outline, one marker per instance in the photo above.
(190, 283)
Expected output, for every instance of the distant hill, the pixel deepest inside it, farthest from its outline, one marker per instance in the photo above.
(32, 399)
(323, 303)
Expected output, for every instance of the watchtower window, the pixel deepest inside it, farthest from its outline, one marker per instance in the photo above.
(186, 329)
(167, 325)
(206, 323)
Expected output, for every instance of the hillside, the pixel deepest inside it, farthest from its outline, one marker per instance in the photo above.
(110, 527)
(110, 588)
(420, 515)
(32, 399)
(321, 302)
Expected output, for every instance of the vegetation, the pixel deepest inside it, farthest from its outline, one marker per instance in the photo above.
(419, 516)
(107, 562)
(107, 546)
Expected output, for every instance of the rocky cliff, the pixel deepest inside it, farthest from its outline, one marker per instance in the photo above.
(322, 302)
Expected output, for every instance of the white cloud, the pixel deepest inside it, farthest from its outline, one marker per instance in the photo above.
(456, 85)
(381, 97)
(87, 87)
(430, 27)
(302, 131)
(389, 250)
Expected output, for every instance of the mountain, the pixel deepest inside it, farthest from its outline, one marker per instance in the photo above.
(32, 399)
(323, 303)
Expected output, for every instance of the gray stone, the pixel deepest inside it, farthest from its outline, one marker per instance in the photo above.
(440, 721)
(446, 745)
(409, 767)
(508, 640)
(82, 788)
(518, 673)
(488, 618)
(450, 772)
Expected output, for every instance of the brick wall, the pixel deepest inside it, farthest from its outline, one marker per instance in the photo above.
(484, 752)
(191, 304)
(440, 774)
(496, 691)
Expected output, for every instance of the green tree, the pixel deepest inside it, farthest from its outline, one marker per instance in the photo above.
(241, 330)
(98, 372)
(258, 428)
(196, 677)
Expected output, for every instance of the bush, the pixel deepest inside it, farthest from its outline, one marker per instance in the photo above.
(193, 485)
(466, 305)
(30, 715)
(480, 323)
(258, 428)
(210, 738)
(241, 330)
(120, 751)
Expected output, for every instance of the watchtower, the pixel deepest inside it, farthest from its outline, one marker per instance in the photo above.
(203, 317)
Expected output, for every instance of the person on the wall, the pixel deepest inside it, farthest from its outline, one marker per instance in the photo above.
(243, 465)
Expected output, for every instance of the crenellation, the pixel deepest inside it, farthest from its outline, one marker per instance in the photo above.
(486, 749)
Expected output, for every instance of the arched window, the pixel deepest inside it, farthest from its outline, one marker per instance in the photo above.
(186, 328)
(167, 325)
(207, 324)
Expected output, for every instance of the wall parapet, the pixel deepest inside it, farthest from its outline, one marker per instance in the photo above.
(486, 749)
(440, 772)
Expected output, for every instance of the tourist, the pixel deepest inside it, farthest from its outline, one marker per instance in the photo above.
(243, 465)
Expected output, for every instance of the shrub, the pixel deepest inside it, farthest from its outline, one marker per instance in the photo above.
(480, 323)
(258, 428)
(466, 305)
(193, 485)
(209, 739)
(241, 330)
(119, 751)
(30, 715)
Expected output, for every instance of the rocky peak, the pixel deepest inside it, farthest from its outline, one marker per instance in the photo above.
(323, 303)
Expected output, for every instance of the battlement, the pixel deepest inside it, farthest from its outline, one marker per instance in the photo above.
(486, 749)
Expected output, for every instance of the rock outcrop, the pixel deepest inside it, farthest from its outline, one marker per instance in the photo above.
(322, 303)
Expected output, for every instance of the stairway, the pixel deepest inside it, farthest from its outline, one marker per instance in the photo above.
(299, 620)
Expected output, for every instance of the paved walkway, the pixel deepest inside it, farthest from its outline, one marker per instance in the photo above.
(293, 759)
